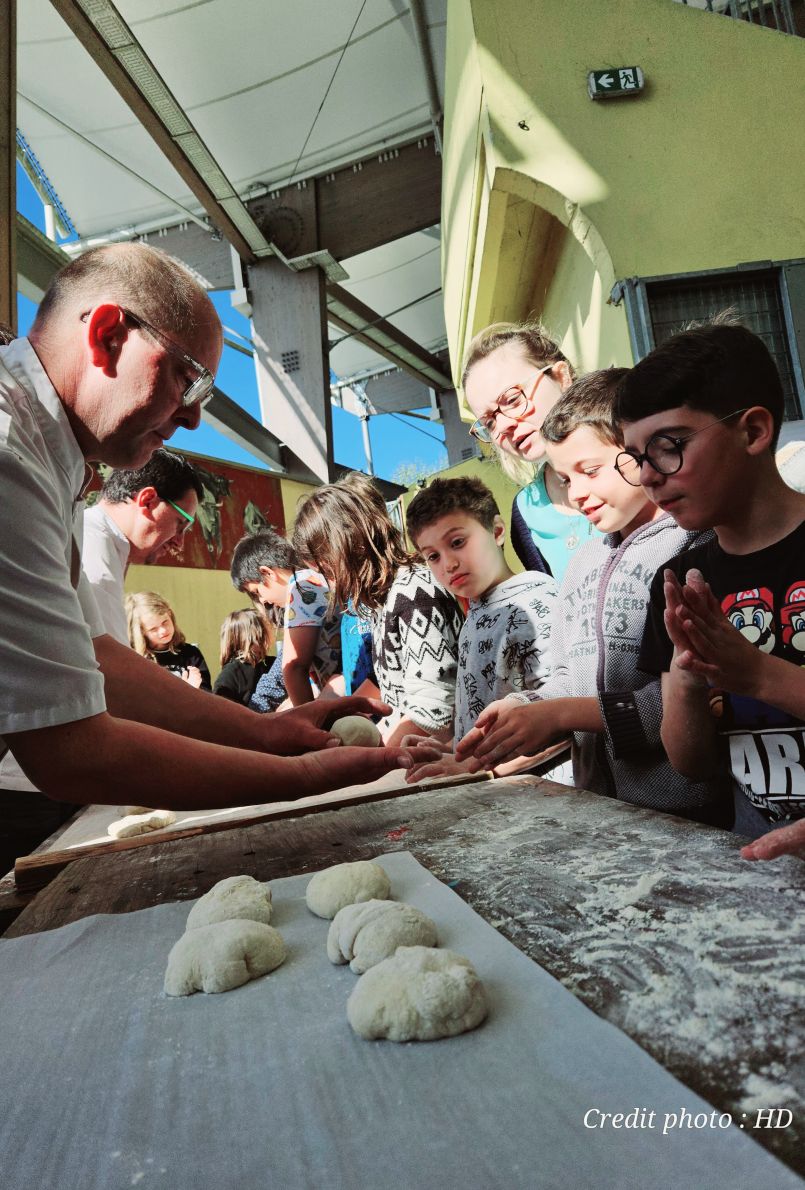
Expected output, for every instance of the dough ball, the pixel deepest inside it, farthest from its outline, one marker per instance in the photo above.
(222, 956)
(345, 884)
(126, 810)
(418, 994)
(365, 934)
(355, 730)
(237, 897)
(140, 824)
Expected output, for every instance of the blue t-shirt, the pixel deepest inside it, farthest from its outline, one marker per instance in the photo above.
(556, 535)
(356, 651)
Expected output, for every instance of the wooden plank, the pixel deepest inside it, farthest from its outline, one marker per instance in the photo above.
(35, 871)
(119, 879)
(12, 900)
(380, 199)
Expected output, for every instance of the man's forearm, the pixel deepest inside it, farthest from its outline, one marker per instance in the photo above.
(137, 689)
(112, 761)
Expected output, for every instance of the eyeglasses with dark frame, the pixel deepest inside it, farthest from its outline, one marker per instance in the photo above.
(664, 452)
(512, 404)
(200, 389)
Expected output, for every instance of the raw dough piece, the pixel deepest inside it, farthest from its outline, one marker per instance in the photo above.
(418, 994)
(237, 897)
(355, 730)
(370, 932)
(345, 884)
(124, 811)
(222, 956)
(140, 824)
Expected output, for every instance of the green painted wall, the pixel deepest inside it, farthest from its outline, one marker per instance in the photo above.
(201, 600)
(703, 170)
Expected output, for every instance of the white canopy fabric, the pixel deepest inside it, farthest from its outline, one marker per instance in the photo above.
(277, 91)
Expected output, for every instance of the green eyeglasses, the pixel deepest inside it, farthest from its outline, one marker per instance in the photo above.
(191, 520)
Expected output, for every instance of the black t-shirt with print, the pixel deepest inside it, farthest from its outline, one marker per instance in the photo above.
(181, 658)
(763, 594)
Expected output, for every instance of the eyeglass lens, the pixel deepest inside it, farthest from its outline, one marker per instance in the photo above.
(662, 452)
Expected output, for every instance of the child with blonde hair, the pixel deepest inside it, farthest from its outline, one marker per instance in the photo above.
(512, 376)
(245, 641)
(154, 633)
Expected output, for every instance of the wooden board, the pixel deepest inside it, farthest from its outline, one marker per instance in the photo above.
(34, 871)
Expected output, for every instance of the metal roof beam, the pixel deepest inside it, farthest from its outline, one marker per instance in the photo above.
(231, 420)
(110, 42)
(364, 324)
(38, 260)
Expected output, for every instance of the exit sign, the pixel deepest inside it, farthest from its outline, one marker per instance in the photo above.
(615, 83)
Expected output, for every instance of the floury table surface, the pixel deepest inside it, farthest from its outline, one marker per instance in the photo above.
(655, 923)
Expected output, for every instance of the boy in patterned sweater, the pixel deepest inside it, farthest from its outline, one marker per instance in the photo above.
(503, 646)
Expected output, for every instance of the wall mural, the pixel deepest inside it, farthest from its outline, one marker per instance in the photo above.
(236, 500)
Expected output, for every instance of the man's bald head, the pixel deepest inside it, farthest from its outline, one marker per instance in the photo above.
(135, 276)
(123, 334)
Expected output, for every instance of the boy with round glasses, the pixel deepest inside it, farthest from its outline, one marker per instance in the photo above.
(707, 407)
(594, 690)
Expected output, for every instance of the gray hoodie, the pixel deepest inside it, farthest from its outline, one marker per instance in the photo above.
(595, 643)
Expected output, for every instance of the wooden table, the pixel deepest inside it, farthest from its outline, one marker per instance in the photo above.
(654, 922)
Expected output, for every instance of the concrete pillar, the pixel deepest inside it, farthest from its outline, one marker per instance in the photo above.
(458, 441)
(289, 330)
(8, 162)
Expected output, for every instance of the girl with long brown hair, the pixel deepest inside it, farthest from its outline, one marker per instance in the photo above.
(345, 531)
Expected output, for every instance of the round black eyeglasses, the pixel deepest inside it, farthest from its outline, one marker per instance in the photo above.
(664, 452)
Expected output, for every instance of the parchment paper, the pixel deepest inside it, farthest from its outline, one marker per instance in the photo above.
(107, 1083)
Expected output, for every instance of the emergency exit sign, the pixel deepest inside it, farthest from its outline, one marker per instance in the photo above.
(615, 83)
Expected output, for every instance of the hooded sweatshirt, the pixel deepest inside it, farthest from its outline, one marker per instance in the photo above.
(595, 644)
(504, 644)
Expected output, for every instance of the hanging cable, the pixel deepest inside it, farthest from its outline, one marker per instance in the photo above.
(327, 92)
(383, 317)
(397, 417)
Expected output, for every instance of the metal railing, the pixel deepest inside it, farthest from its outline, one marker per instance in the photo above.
(772, 14)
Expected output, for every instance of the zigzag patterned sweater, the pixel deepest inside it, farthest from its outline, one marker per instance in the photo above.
(415, 644)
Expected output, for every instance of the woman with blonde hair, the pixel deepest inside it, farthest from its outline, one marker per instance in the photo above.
(154, 633)
(245, 641)
(513, 374)
(344, 529)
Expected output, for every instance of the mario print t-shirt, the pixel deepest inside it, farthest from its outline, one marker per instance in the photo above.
(763, 595)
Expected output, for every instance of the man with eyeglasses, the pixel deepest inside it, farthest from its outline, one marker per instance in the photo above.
(122, 353)
(139, 516)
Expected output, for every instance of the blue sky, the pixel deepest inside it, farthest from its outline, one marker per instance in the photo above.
(395, 439)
